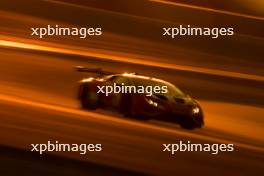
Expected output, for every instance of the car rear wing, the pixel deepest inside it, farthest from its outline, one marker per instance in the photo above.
(98, 71)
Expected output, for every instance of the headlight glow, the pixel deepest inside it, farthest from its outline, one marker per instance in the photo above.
(195, 110)
(153, 103)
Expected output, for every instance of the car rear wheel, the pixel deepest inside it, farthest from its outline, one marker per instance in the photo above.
(89, 99)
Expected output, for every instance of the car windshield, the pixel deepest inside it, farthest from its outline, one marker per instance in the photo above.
(173, 91)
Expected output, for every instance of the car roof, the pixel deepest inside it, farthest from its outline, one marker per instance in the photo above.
(132, 75)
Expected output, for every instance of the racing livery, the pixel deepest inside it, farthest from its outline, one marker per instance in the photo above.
(174, 105)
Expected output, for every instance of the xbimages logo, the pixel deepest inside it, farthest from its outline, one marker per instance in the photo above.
(182, 146)
(125, 89)
(56, 30)
(188, 30)
(59, 147)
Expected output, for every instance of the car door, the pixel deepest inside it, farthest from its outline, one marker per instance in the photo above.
(113, 98)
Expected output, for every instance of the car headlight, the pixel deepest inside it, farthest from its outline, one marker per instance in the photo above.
(195, 110)
(151, 102)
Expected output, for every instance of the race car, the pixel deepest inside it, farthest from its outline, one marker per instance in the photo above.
(114, 91)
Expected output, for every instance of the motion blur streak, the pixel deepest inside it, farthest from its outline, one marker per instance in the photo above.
(5, 43)
(78, 113)
(208, 9)
(38, 86)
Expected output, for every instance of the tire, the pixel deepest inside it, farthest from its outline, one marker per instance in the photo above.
(187, 123)
(89, 100)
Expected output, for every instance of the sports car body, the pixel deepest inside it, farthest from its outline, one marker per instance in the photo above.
(139, 96)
